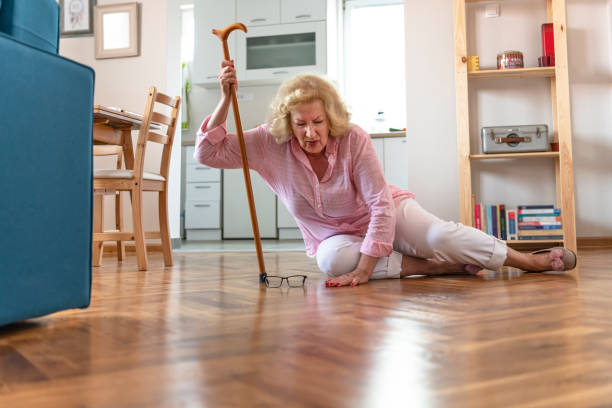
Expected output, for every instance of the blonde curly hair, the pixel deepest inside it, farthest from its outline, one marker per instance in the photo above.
(298, 91)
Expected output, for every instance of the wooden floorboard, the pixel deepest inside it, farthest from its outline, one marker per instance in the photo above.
(205, 334)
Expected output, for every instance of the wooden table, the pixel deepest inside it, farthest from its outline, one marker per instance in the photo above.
(114, 126)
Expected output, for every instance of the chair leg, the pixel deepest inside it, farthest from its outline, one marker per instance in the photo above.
(119, 226)
(139, 239)
(98, 223)
(164, 227)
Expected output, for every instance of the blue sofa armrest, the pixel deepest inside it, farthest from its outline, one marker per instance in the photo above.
(46, 178)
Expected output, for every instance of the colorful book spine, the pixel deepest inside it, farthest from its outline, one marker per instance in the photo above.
(537, 211)
(537, 223)
(539, 218)
(498, 232)
(489, 220)
(535, 207)
(539, 227)
(483, 217)
(522, 232)
(512, 227)
(502, 222)
(540, 237)
(477, 220)
(494, 216)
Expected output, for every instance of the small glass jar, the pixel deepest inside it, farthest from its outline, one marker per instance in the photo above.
(509, 59)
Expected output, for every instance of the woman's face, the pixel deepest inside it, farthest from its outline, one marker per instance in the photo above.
(309, 125)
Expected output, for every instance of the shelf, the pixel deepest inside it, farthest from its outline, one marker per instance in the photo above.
(534, 241)
(536, 72)
(513, 155)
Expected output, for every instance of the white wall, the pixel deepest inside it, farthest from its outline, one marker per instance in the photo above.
(123, 82)
(431, 106)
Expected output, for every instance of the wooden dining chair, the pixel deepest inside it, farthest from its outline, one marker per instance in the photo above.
(98, 248)
(137, 181)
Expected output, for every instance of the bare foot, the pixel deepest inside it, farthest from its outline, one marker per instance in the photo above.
(547, 261)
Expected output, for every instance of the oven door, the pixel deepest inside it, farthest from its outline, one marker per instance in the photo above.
(276, 52)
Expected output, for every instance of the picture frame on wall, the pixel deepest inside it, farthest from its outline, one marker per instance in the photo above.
(117, 30)
(76, 17)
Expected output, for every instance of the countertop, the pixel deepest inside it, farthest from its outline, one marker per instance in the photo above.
(372, 135)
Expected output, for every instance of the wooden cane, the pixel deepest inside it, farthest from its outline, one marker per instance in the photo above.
(223, 34)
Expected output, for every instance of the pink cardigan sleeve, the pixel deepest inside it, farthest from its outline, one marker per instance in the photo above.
(219, 149)
(370, 181)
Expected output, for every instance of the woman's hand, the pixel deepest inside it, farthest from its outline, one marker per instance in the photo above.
(227, 77)
(354, 278)
(361, 274)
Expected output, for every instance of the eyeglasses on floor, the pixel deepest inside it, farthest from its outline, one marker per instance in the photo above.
(293, 281)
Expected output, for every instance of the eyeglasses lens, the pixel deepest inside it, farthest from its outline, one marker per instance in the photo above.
(274, 281)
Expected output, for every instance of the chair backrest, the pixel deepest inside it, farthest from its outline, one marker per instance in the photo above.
(34, 22)
(165, 135)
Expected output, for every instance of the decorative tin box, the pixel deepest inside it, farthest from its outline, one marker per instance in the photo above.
(515, 139)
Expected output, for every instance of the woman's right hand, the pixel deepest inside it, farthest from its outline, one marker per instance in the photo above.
(227, 77)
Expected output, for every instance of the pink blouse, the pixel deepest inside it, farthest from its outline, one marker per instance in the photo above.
(352, 197)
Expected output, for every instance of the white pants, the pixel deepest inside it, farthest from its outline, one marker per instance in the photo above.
(418, 234)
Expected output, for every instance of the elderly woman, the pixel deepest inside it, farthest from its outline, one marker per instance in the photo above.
(326, 172)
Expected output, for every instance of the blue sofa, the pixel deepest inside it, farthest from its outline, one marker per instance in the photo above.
(46, 119)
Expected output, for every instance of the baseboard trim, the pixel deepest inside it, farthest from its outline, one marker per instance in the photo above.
(594, 242)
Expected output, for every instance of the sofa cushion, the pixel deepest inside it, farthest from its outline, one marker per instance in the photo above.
(34, 22)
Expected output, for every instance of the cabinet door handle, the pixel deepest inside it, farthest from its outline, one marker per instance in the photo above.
(303, 16)
(202, 205)
(202, 168)
(202, 187)
(280, 72)
(211, 77)
(257, 20)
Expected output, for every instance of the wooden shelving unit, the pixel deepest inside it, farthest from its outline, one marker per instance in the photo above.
(513, 73)
(562, 127)
(513, 155)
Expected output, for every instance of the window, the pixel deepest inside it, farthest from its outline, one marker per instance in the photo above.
(374, 67)
(187, 32)
(187, 41)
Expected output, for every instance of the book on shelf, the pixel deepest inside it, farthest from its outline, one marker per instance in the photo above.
(546, 223)
(511, 223)
(494, 218)
(539, 227)
(502, 222)
(540, 237)
(549, 218)
(477, 219)
(538, 211)
(522, 232)
(524, 222)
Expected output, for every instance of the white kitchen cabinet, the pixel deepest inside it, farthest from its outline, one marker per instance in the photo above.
(260, 12)
(208, 52)
(287, 227)
(236, 215)
(395, 154)
(297, 11)
(202, 199)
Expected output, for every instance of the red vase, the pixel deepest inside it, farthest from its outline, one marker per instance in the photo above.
(548, 40)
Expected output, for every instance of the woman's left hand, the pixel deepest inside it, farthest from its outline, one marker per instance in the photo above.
(354, 278)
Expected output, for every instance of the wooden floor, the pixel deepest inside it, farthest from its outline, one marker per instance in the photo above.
(205, 334)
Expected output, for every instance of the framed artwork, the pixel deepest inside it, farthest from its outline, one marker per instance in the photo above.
(76, 17)
(117, 30)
